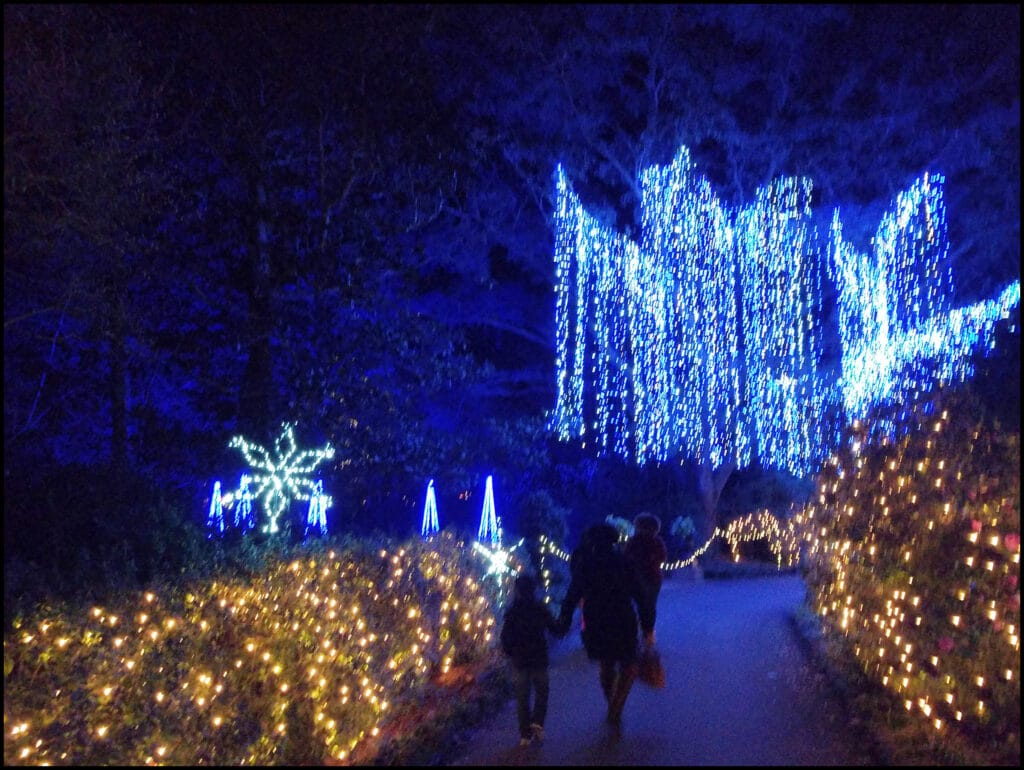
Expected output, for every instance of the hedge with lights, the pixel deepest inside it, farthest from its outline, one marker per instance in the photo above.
(913, 549)
(299, 665)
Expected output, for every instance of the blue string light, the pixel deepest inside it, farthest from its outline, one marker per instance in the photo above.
(430, 524)
(316, 515)
(215, 518)
(489, 530)
(244, 517)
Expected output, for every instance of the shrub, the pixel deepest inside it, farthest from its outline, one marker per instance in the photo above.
(297, 665)
(913, 555)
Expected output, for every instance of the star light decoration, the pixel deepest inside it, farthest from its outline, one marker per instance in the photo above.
(285, 476)
(704, 338)
(500, 560)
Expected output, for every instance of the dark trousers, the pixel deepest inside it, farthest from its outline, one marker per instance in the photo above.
(652, 597)
(531, 681)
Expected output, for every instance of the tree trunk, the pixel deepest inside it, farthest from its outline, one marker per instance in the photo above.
(710, 483)
(118, 393)
(255, 409)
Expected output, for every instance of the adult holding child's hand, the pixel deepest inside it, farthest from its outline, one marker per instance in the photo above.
(615, 607)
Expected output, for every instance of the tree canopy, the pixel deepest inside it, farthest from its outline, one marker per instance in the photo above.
(218, 218)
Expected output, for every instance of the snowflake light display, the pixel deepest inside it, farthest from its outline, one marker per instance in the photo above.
(489, 530)
(704, 340)
(430, 524)
(285, 476)
(316, 516)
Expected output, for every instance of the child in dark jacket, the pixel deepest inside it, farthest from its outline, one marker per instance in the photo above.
(523, 640)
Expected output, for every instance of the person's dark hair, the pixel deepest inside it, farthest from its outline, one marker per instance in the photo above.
(647, 522)
(602, 536)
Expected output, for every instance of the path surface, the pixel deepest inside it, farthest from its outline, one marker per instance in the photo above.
(740, 691)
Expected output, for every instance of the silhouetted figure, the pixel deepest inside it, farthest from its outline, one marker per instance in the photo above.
(647, 551)
(613, 598)
(523, 639)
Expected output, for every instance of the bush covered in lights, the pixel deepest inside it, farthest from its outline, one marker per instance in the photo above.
(913, 548)
(298, 666)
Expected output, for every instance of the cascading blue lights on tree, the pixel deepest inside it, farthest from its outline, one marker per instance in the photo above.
(899, 334)
(780, 271)
(677, 350)
(285, 476)
(705, 340)
(430, 526)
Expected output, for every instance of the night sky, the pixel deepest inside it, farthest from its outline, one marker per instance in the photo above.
(221, 218)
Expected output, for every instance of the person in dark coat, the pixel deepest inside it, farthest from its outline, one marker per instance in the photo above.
(523, 639)
(615, 608)
(648, 552)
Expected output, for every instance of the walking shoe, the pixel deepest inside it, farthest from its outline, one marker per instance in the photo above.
(538, 732)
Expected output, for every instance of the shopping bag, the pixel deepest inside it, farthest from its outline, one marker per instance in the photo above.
(651, 673)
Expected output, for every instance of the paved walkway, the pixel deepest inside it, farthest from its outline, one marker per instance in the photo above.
(740, 691)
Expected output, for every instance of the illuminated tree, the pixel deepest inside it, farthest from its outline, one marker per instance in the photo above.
(430, 524)
(244, 518)
(900, 335)
(215, 518)
(316, 516)
(703, 341)
(912, 544)
(650, 356)
(490, 530)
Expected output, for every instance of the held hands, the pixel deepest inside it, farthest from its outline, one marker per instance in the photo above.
(649, 639)
(564, 624)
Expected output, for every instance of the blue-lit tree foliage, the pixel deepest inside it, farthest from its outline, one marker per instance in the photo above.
(703, 341)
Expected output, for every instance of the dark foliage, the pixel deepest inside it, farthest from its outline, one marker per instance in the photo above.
(220, 218)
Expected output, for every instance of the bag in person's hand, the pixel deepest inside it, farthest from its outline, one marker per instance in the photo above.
(651, 673)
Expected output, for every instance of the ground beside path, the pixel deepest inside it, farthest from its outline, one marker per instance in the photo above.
(741, 690)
